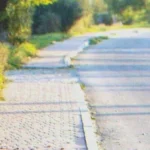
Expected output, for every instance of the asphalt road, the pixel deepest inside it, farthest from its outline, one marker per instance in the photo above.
(116, 73)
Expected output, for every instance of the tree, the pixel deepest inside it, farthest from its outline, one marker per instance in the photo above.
(59, 16)
(118, 6)
(19, 13)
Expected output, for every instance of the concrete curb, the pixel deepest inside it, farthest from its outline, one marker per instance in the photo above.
(67, 59)
(90, 136)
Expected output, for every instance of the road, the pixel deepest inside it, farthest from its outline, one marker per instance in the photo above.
(116, 73)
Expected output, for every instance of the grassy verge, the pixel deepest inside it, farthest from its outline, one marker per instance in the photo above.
(24, 52)
(97, 40)
(41, 41)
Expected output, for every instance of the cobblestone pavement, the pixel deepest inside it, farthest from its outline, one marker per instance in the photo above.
(41, 111)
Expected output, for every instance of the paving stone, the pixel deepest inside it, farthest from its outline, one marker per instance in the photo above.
(40, 113)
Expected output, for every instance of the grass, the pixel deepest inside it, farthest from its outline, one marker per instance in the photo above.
(97, 40)
(41, 41)
(82, 86)
(103, 28)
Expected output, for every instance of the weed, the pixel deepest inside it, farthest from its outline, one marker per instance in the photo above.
(97, 40)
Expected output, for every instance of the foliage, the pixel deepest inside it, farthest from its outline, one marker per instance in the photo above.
(19, 16)
(48, 22)
(118, 6)
(97, 40)
(20, 54)
(41, 41)
(130, 16)
(105, 18)
(130, 11)
(19, 24)
(57, 17)
(99, 6)
(81, 25)
(3, 63)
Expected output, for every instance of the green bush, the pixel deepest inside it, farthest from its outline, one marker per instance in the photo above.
(19, 21)
(97, 40)
(3, 63)
(21, 54)
(81, 25)
(57, 17)
(49, 22)
(128, 16)
(27, 48)
(103, 18)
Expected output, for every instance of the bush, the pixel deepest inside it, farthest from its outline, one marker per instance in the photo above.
(19, 21)
(49, 22)
(128, 16)
(97, 40)
(103, 18)
(20, 54)
(81, 25)
(27, 48)
(3, 63)
(57, 17)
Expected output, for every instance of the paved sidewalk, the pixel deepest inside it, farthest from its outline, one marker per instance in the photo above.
(41, 113)
(43, 106)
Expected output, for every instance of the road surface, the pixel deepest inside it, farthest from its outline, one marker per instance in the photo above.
(116, 73)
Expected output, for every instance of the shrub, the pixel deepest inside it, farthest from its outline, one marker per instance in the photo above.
(3, 63)
(57, 17)
(27, 48)
(81, 25)
(127, 16)
(49, 22)
(97, 40)
(19, 21)
(20, 54)
(103, 18)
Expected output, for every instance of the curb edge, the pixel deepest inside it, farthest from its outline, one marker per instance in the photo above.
(67, 59)
(90, 137)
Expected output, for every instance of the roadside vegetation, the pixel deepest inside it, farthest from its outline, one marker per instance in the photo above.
(97, 40)
(41, 41)
(23, 52)
(3, 63)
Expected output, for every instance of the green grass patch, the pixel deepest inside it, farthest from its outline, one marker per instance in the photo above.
(41, 41)
(97, 40)
(82, 86)
(20, 54)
